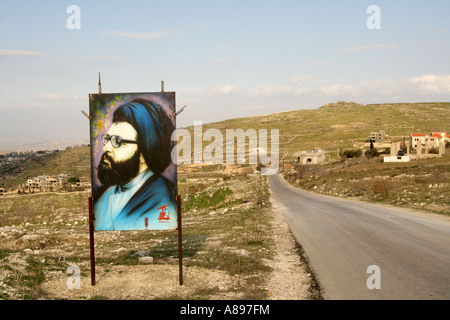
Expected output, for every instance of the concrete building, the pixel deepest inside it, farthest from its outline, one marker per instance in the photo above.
(397, 159)
(431, 140)
(313, 156)
(422, 151)
(46, 183)
(397, 154)
(378, 136)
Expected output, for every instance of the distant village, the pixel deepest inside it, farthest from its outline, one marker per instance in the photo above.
(43, 182)
(50, 183)
(19, 156)
(419, 146)
(9, 158)
(54, 183)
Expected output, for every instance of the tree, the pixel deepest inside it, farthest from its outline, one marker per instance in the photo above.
(352, 153)
(73, 180)
(372, 153)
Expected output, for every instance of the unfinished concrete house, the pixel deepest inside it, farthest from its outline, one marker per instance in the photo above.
(313, 156)
(379, 136)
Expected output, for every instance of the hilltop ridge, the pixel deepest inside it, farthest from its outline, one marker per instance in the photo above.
(343, 124)
(341, 104)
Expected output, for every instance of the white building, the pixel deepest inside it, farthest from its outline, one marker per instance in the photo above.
(431, 140)
(396, 159)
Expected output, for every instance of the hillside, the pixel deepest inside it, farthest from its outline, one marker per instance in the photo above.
(332, 126)
(75, 161)
(340, 125)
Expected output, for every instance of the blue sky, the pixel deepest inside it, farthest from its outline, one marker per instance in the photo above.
(224, 59)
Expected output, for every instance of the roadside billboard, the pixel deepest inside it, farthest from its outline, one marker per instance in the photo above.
(134, 181)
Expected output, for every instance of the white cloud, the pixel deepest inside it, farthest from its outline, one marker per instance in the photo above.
(93, 58)
(140, 35)
(433, 86)
(371, 47)
(429, 87)
(223, 89)
(6, 53)
(271, 90)
(338, 89)
(152, 35)
(430, 84)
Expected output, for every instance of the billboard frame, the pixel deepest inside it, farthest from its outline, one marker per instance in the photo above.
(92, 218)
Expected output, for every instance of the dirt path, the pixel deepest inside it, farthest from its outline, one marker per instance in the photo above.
(290, 279)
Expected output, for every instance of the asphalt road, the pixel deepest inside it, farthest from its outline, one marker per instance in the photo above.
(343, 238)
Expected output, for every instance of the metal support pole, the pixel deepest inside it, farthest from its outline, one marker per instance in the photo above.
(91, 238)
(180, 241)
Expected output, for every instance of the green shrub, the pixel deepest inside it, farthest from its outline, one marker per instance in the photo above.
(352, 153)
(203, 200)
(372, 153)
(73, 180)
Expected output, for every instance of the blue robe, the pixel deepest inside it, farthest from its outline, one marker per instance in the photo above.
(146, 202)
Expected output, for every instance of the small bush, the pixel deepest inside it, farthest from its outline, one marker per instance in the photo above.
(352, 153)
(203, 200)
(382, 187)
(372, 153)
(73, 180)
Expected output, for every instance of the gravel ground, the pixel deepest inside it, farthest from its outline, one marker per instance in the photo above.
(290, 279)
(63, 235)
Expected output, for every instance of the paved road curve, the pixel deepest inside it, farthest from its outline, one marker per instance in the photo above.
(342, 238)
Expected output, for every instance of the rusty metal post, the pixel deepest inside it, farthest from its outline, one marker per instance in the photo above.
(180, 241)
(91, 238)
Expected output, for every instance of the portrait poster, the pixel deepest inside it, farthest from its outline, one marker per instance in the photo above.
(134, 181)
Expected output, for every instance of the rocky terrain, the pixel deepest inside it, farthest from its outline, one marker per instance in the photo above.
(238, 246)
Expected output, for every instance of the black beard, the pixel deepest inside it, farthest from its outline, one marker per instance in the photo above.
(118, 172)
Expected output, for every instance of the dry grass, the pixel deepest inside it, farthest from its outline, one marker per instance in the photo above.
(50, 231)
(420, 184)
(382, 187)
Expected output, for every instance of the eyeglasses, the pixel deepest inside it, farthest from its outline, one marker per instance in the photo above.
(116, 141)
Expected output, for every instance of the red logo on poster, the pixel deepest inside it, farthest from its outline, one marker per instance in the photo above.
(163, 215)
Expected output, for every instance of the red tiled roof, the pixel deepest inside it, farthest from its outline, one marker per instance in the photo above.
(436, 136)
(418, 134)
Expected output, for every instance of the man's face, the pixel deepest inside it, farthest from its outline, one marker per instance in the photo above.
(119, 165)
